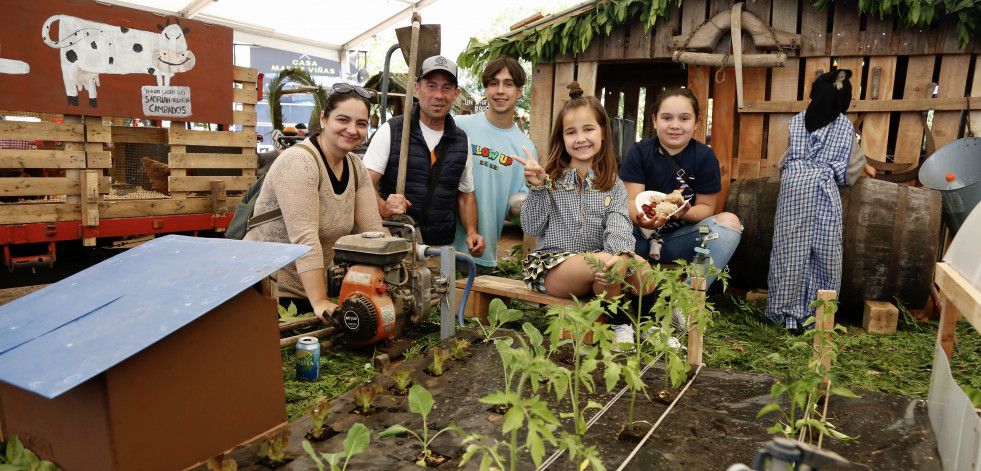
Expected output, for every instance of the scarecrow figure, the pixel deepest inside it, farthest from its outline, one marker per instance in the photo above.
(806, 254)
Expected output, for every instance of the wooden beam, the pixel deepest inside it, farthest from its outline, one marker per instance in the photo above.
(203, 184)
(244, 118)
(875, 126)
(183, 137)
(42, 131)
(699, 82)
(723, 137)
(139, 135)
(695, 340)
(245, 95)
(47, 186)
(245, 74)
(824, 320)
(564, 74)
(959, 292)
(542, 75)
(586, 76)
(185, 160)
(750, 135)
(909, 140)
(16, 158)
(57, 212)
(952, 84)
(98, 159)
(861, 106)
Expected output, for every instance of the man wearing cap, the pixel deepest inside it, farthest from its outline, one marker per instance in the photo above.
(438, 177)
(494, 138)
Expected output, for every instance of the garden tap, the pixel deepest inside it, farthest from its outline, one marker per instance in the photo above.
(702, 256)
(784, 454)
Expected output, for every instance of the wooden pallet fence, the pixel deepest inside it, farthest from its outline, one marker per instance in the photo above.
(69, 175)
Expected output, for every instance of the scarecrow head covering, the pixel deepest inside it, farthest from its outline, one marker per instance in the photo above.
(831, 94)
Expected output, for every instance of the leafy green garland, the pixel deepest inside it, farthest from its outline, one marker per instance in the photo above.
(575, 32)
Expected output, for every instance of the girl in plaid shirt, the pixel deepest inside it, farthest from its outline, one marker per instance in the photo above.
(577, 206)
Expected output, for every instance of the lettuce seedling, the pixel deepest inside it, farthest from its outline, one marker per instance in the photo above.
(318, 414)
(220, 463)
(459, 348)
(364, 395)
(439, 357)
(273, 448)
(402, 379)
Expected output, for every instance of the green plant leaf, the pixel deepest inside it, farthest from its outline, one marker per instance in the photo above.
(514, 418)
(768, 408)
(496, 398)
(396, 429)
(420, 401)
(358, 439)
(15, 450)
(612, 375)
(313, 455)
(843, 392)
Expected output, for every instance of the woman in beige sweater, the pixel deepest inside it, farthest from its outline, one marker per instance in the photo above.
(325, 192)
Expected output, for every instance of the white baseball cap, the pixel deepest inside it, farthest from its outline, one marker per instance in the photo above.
(435, 63)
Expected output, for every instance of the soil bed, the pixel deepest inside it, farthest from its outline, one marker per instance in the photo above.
(712, 426)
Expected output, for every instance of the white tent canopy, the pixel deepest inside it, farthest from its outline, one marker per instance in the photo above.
(326, 28)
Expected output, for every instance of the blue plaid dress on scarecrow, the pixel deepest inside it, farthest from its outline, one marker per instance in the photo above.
(806, 254)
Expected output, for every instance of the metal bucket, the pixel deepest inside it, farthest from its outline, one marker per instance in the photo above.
(962, 158)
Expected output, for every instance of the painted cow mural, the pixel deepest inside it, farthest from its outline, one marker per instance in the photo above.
(89, 49)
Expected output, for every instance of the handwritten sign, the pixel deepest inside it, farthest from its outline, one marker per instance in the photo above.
(173, 102)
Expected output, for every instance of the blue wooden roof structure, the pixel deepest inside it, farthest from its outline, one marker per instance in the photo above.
(64, 334)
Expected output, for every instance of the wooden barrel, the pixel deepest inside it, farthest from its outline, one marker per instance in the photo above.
(891, 236)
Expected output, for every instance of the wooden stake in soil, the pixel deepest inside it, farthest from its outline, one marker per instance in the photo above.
(824, 322)
(694, 334)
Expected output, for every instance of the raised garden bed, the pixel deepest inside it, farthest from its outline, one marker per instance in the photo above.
(713, 425)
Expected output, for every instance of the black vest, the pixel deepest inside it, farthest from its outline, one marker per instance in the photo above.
(432, 189)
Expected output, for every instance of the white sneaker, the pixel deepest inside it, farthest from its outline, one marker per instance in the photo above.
(679, 321)
(624, 334)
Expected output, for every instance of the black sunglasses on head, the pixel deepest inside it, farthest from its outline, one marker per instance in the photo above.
(341, 87)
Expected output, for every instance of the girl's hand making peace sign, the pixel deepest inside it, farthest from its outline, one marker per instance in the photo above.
(534, 173)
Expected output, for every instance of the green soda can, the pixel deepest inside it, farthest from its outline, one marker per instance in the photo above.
(307, 359)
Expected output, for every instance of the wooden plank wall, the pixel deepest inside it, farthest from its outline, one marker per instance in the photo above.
(898, 76)
(66, 177)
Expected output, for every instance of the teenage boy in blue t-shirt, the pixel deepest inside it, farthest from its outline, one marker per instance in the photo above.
(494, 138)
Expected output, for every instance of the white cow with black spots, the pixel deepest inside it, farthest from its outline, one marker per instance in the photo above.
(89, 48)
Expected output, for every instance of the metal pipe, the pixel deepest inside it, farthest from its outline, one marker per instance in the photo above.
(383, 103)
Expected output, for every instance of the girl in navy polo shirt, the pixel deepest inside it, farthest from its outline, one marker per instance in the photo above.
(673, 160)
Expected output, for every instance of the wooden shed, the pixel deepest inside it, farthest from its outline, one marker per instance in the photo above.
(901, 77)
(898, 73)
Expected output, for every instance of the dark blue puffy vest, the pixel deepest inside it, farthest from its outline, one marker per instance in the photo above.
(432, 189)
